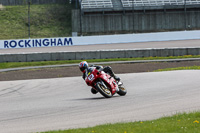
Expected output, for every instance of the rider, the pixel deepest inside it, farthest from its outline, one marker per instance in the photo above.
(84, 67)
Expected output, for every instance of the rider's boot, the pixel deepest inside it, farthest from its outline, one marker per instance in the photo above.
(115, 77)
(94, 91)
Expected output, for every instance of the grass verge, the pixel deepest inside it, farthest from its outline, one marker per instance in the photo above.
(179, 68)
(43, 63)
(179, 123)
(50, 20)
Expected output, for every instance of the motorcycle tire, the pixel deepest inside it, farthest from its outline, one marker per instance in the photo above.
(103, 90)
(122, 90)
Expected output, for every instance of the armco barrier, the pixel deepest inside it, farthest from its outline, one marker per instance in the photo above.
(98, 54)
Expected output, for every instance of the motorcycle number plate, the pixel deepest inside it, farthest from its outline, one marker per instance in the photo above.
(91, 77)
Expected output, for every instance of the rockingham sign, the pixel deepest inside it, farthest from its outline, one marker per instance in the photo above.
(106, 39)
(29, 43)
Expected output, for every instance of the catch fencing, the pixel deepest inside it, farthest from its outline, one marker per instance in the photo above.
(22, 2)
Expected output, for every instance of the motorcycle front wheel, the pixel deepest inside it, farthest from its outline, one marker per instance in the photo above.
(122, 90)
(103, 90)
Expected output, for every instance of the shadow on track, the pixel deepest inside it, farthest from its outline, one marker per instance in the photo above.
(97, 98)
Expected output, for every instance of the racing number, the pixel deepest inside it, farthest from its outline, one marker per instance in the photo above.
(91, 77)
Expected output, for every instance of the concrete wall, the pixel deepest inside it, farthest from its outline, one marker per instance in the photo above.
(136, 22)
(76, 20)
(98, 54)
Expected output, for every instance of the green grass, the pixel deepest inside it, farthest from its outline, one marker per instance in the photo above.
(26, 64)
(179, 68)
(180, 123)
(42, 63)
(45, 20)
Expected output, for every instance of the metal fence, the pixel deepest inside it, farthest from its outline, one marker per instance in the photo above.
(22, 2)
(35, 19)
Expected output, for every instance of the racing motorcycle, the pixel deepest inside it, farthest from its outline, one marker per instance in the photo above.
(104, 83)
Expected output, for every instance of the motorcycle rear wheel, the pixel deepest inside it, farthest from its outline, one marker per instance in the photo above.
(122, 90)
(103, 90)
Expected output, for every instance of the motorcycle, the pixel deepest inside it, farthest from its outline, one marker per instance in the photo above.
(104, 83)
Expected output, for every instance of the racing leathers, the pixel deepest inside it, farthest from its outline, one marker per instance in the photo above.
(107, 70)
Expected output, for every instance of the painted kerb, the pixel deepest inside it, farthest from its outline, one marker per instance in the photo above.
(99, 54)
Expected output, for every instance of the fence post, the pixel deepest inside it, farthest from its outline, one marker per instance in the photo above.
(81, 19)
(185, 12)
(133, 14)
(29, 29)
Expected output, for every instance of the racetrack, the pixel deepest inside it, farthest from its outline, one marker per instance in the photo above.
(62, 103)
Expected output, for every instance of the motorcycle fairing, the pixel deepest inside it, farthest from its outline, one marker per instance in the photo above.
(93, 75)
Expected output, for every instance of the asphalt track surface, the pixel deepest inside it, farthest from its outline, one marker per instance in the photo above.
(141, 45)
(63, 103)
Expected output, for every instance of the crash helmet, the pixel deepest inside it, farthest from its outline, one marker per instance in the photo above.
(83, 66)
